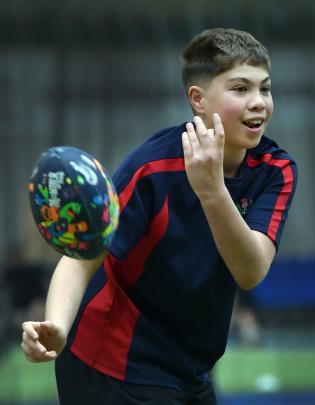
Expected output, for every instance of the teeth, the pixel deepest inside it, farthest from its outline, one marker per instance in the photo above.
(254, 122)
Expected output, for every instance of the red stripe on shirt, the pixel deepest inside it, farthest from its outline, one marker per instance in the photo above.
(282, 201)
(106, 328)
(285, 192)
(111, 357)
(131, 268)
(267, 158)
(164, 165)
(105, 331)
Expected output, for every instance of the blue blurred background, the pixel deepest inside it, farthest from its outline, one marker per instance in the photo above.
(102, 76)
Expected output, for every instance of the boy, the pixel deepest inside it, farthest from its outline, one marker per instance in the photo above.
(203, 207)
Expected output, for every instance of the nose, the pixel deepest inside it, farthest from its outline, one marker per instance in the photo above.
(256, 102)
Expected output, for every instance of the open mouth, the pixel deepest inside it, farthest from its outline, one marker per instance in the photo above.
(253, 124)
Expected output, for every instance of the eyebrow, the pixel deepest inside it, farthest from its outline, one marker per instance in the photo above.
(243, 79)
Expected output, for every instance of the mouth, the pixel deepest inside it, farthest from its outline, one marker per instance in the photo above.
(254, 124)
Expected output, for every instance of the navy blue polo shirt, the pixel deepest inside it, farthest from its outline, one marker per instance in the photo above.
(159, 311)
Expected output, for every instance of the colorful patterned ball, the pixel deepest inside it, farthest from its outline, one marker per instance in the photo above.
(73, 202)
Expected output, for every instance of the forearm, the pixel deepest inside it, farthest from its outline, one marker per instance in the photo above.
(248, 254)
(239, 246)
(66, 289)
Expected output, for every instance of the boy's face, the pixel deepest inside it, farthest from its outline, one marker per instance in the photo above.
(242, 98)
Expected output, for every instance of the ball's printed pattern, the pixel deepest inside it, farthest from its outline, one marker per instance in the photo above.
(74, 202)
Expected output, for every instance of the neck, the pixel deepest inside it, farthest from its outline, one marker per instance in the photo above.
(232, 161)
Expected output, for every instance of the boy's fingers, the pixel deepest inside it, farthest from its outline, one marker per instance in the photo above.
(205, 136)
(200, 126)
(29, 328)
(31, 353)
(195, 139)
(202, 132)
(211, 133)
(36, 353)
(51, 355)
(218, 129)
(34, 345)
(33, 329)
(192, 136)
(186, 145)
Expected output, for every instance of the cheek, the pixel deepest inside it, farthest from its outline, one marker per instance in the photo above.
(229, 112)
(269, 107)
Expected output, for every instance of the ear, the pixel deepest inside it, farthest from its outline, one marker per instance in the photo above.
(196, 98)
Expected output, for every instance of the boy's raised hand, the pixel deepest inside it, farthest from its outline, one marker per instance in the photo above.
(203, 154)
(42, 341)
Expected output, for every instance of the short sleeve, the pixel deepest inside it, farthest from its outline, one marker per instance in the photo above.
(269, 211)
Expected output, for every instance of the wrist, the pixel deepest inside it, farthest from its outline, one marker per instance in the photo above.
(213, 195)
(62, 325)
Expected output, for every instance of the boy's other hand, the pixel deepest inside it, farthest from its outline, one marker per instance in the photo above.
(42, 341)
(203, 154)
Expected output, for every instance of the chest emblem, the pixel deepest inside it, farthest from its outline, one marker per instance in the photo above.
(243, 205)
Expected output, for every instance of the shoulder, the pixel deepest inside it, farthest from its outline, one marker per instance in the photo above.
(164, 143)
(160, 152)
(268, 154)
(272, 164)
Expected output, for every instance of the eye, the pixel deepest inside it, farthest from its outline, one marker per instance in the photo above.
(266, 89)
(240, 89)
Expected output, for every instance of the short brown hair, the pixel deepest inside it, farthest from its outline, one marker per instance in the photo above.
(217, 50)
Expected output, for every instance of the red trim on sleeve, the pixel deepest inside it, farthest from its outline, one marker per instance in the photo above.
(281, 203)
(164, 165)
(285, 192)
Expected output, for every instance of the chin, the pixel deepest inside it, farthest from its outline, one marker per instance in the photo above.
(252, 143)
(245, 142)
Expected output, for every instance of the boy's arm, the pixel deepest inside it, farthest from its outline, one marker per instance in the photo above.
(248, 254)
(43, 341)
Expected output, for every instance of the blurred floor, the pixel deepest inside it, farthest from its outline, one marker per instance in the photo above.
(279, 371)
(268, 399)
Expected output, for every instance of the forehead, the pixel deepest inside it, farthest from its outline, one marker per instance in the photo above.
(246, 72)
